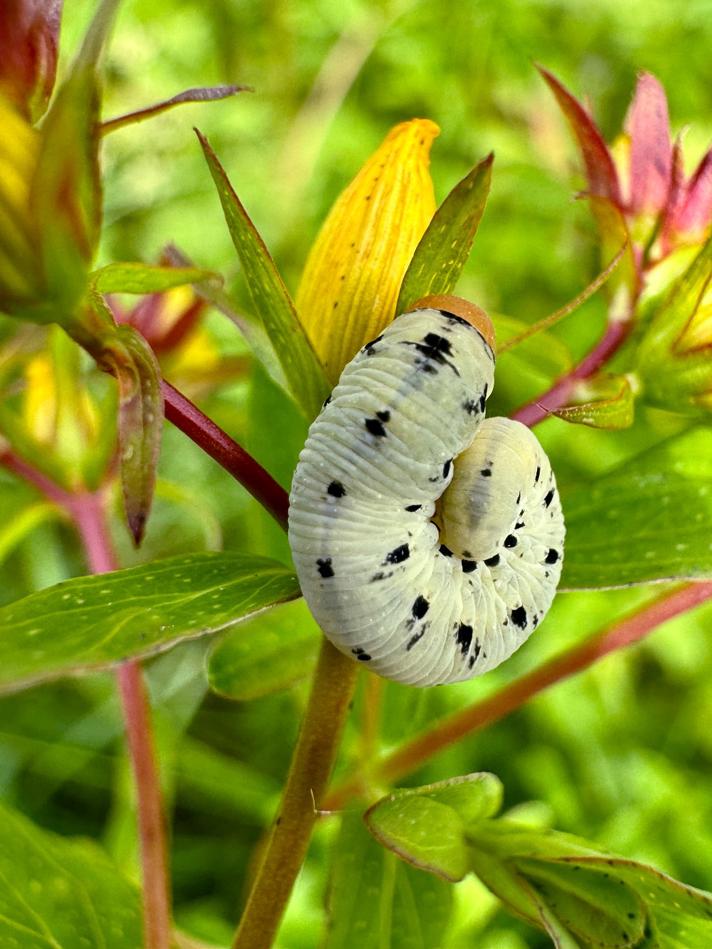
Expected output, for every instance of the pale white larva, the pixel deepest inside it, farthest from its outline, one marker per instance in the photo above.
(427, 539)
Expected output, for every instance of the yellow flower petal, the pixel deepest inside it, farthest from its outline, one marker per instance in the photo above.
(351, 280)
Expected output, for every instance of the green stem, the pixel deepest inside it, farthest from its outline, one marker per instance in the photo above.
(329, 701)
(413, 754)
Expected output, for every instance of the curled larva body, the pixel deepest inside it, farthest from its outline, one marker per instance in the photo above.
(427, 539)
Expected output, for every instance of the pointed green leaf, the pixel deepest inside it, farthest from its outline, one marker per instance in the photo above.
(301, 368)
(444, 248)
(66, 191)
(93, 622)
(377, 901)
(266, 654)
(57, 893)
(647, 520)
(426, 826)
(604, 401)
(146, 278)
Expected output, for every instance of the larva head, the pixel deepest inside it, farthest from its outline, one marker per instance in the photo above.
(470, 312)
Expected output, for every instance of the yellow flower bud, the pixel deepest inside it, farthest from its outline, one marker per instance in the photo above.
(350, 284)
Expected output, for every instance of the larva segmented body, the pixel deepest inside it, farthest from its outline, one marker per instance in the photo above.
(428, 541)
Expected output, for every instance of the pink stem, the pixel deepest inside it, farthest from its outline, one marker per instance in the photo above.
(223, 449)
(557, 396)
(632, 628)
(89, 517)
(87, 511)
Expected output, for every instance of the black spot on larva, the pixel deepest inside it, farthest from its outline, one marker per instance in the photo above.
(420, 607)
(510, 541)
(519, 617)
(368, 348)
(492, 561)
(445, 551)
(413, 507)
(537, 473)
(552, 556)
(464, 637)
(519, 525)
(482, 403)
(378, 576)
(414, 639)
(398, 555)
(469, 565)
(486, 472)
(471, 406)
(384, 416)
(446, 468)
(336, 489)
(375, 427)
(549, 498)
(435, 349)
(471, 662)
(476, 651)
(361, 654)
(326, 401)
(325, 568)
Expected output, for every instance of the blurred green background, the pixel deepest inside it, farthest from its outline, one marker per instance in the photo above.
(621, 754)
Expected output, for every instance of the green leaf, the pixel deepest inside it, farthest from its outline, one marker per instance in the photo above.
(604, 401)
(66, 190)
(647, 520)
(544, 353)
(57, 893)
(146, 278)
(377, 901)
(426, 826)
(599, 898)
(444, 248)
(140, 421)
(266, 654)
(301, 368)
(93, 622)
(22, 523)
(677, 375)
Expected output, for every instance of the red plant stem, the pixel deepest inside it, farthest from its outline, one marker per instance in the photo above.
(223, 449)
(87, 512)
(89, 517)
(632, 628)
(557, 396)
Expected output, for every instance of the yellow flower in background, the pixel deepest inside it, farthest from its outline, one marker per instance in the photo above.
(353, 274)
(19, 146)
